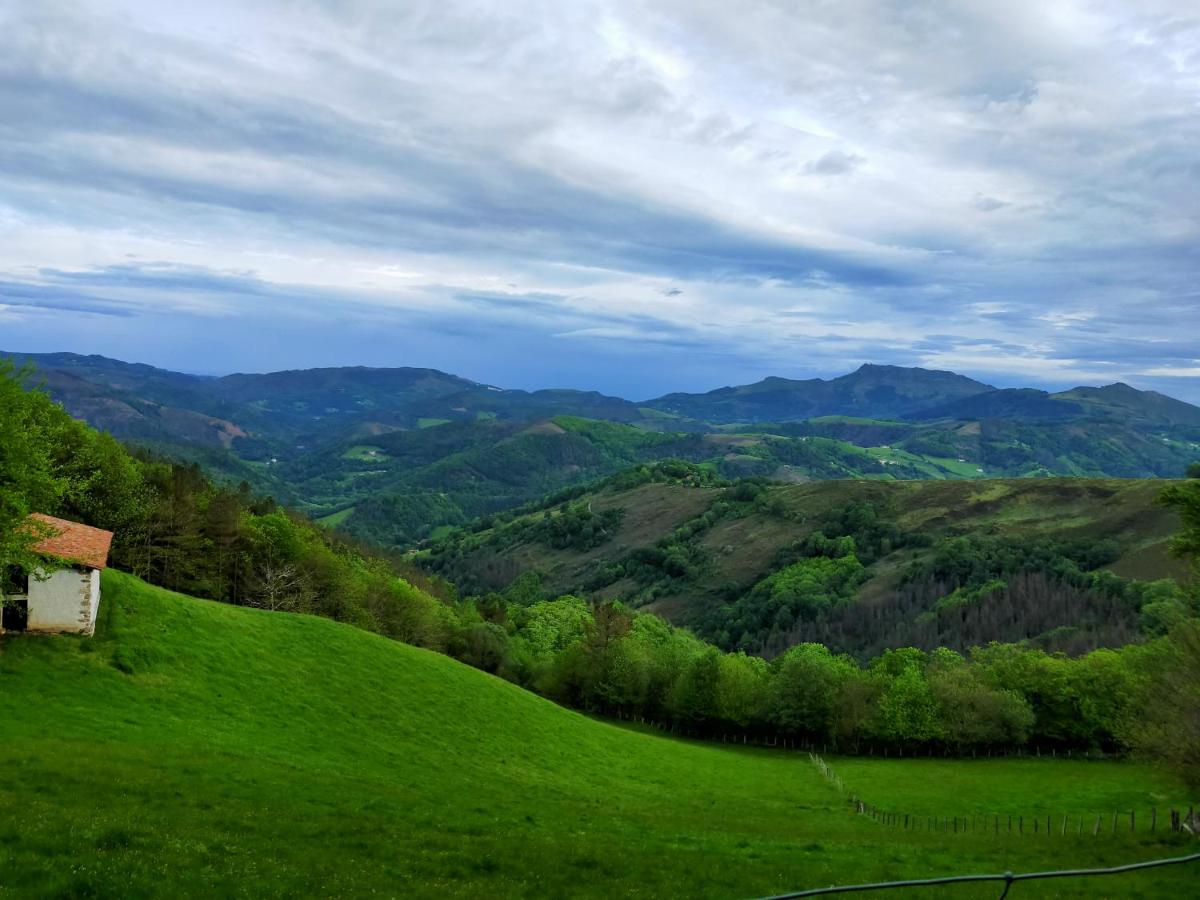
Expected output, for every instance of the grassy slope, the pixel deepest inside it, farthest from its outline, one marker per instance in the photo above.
(198, 749)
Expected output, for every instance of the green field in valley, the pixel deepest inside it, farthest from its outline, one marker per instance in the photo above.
(193, 748)
(335, 519)
(365, 453)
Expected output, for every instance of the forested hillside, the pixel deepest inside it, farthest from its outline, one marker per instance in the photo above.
(393, 455)
(1068, 564)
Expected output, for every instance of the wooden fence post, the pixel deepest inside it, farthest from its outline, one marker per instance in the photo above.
(1096, 830)
(1153, 818)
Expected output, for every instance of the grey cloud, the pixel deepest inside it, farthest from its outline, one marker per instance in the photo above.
(987, 204)
(57, 299)
(835, 162)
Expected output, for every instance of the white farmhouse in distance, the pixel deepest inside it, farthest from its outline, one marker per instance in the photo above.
(64, 594)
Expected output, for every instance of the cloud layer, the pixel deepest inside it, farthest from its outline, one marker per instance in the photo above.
(631, 196)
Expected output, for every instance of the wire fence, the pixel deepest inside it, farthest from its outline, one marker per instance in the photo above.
(1048, 825)
(1008, 878)
(992, 824)
(1063, 824)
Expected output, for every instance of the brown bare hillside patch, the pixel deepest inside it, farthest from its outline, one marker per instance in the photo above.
(744, 548)
(374, 429)
(545, 427)
(652, 512)
(732, 440)
(618, 590)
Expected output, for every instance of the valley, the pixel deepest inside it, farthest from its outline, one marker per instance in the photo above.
(391, 456)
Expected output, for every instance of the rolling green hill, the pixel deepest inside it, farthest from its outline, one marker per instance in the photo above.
(198, 749)
(704, 555)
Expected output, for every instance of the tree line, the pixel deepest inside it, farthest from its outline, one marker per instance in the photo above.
(611, 660)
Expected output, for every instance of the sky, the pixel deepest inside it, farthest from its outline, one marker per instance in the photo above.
(635, 197)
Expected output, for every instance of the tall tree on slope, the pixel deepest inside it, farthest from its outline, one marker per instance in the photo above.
(27, 482)
(1169, 728)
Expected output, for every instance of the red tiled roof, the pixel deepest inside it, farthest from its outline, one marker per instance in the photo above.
(74, 543)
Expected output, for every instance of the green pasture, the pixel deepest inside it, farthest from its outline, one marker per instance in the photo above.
(196, 749)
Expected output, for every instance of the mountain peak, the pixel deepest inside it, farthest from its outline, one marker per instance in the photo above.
(871, 391)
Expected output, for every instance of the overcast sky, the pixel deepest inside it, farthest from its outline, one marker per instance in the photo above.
(635, 197)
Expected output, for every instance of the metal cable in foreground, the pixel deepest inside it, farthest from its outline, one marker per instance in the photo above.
(1008, 878)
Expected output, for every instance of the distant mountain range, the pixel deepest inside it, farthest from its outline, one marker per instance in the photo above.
(307, 401)
(388, 453)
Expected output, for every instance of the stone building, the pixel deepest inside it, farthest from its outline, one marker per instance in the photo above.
(63, 595)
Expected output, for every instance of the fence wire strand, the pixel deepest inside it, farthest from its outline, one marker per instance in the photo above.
(1008, 878)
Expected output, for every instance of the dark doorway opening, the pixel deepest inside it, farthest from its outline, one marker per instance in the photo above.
(15, 615)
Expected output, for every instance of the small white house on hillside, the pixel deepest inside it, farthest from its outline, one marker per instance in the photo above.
(64, 594)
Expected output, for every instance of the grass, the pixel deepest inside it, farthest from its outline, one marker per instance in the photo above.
(365, 453)
(195, 749)
(930, 466)
(1014, 786)
(333, 520)
(855, 420)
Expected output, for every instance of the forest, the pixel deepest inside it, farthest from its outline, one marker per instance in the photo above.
(177, 529)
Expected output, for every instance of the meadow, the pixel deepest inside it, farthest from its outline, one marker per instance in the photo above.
(193, 748)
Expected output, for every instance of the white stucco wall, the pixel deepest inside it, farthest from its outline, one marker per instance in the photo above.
(94, 597)
(66, 601)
